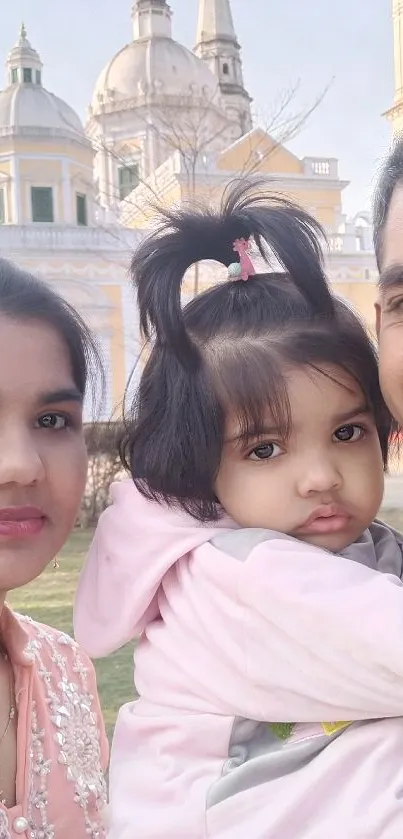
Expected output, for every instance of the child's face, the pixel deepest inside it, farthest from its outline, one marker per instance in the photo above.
(42, 452)
(324, 484)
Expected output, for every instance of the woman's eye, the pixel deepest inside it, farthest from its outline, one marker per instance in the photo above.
(267, 451)
(349, 433)
(52, 421)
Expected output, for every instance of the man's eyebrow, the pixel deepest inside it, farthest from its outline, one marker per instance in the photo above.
(391, 276)
(64, 394)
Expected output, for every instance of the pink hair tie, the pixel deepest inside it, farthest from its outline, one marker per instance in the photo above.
(244, 268)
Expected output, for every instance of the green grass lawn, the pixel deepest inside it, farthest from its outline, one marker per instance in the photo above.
(50, 600)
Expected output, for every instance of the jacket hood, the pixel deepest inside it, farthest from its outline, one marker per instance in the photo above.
(136, 539)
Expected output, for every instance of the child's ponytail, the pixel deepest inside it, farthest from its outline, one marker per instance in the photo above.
(185, 237)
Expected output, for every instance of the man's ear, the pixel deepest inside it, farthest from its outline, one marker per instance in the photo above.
(378, 317)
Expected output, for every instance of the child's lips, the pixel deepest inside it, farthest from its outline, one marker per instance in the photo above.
(327, 518)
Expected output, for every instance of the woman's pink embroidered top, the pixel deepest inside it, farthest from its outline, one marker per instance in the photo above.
(62, 750)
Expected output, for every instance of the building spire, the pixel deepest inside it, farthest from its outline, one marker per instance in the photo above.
(215, 21)
(24, 65)
(217, 45)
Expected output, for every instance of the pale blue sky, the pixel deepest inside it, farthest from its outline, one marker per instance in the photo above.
(311, 40)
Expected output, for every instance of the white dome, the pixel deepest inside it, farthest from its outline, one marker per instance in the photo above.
(29, 106)
(25, 106)
(157, 66)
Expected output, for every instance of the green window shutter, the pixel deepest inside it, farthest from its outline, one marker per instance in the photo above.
(42, 204)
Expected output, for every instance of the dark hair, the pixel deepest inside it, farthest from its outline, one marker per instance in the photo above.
(391, 176)
(227, 348)
(24, 297)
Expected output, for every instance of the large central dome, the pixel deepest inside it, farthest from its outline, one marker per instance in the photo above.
(152, 65)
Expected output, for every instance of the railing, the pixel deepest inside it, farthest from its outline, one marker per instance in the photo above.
(114, 237)
(354, 240)
(336, 244)
(55, 238)
(321, 167)
(71, 131)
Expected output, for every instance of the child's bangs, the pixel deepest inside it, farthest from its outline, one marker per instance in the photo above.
(252, 390)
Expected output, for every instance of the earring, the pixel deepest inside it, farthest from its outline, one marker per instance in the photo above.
(55, 564)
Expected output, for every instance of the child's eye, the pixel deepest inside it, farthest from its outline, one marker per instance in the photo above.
(349, 433)
(53, 421)
(266, 451)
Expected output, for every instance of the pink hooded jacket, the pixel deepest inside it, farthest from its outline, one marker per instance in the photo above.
(242, 629)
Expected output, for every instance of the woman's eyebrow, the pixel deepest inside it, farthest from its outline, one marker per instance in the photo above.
(64, 394)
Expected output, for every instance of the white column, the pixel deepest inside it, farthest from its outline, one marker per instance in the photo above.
(15, 191)
(104, 191)
(93, 411)
(104, 339)
(131, 335)
(398, 47)
(112, 186)
(67, 197)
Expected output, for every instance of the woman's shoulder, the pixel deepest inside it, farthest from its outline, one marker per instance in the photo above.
(65, 678)
(44, 642)
(37, 630)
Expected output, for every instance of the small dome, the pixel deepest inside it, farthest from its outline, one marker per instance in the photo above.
(26, 105)
(33, 107)
(157, 66)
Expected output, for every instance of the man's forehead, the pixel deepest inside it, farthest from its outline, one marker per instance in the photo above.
(392, 241)
(391, 276)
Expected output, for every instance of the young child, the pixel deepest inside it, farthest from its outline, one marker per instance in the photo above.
(245, 554)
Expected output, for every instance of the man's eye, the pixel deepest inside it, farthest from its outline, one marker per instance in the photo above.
(395, 304)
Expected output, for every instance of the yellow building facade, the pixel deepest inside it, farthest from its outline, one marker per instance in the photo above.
(312, 182)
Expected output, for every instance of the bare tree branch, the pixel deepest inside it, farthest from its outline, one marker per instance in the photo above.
(197, 129)
(281, 127)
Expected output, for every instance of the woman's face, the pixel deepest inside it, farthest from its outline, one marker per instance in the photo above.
(43, 461)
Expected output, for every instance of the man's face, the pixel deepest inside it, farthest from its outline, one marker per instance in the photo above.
(389, 309)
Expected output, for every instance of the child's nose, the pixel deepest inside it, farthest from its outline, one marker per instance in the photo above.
(319, 476)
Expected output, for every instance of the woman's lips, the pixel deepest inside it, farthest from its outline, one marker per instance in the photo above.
(21, 522)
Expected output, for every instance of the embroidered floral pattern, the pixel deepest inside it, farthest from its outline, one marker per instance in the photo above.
(76, 736)
(4, 828)
(38, 794)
